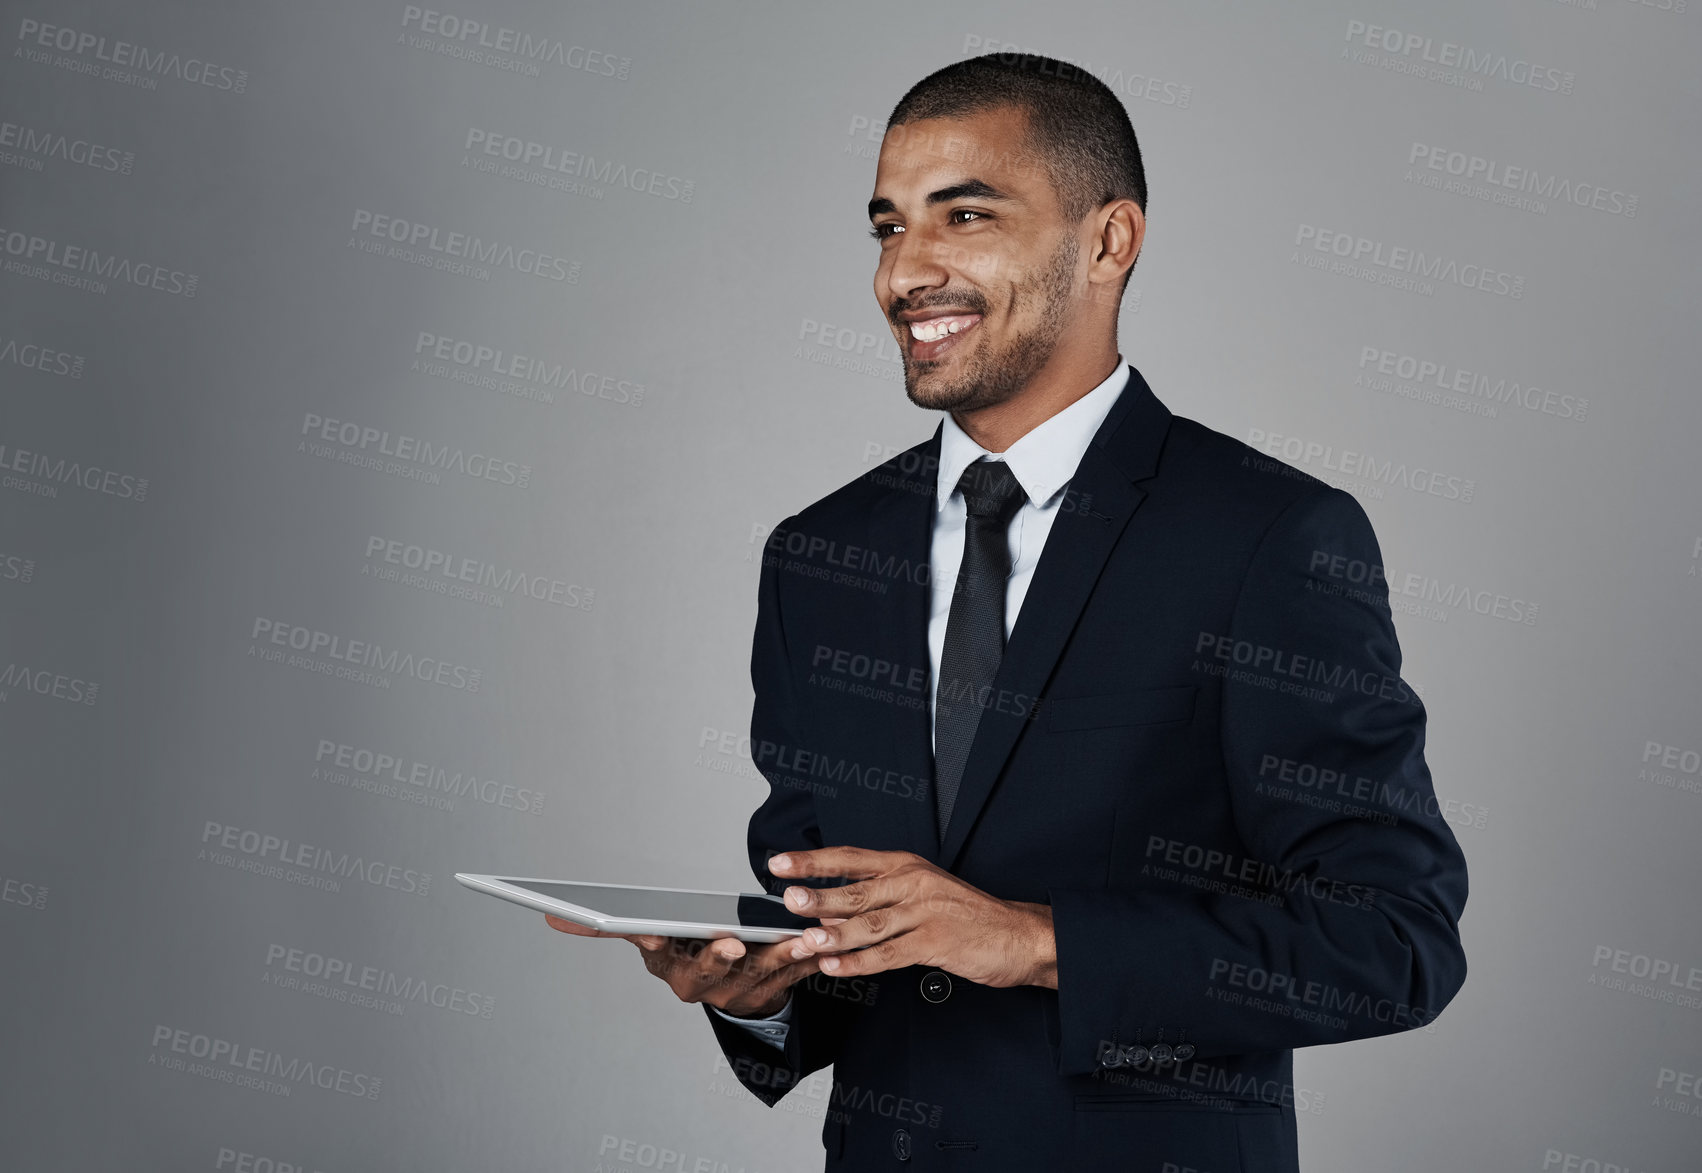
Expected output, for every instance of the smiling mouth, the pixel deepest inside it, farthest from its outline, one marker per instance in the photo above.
(933, 337)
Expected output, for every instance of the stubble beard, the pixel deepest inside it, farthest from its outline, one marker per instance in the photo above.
(994, 375)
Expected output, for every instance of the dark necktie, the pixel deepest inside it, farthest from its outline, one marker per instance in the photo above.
(975, 629)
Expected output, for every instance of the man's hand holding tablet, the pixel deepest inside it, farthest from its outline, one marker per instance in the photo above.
(905, 911)
(746, 981)
(690, 943)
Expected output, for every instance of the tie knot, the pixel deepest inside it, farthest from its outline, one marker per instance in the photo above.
(990, 490)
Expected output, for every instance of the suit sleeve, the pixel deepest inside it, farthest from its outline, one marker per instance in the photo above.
(1356, 932)
(785, 821)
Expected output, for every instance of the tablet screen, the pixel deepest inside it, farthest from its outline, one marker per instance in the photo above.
(693, 907)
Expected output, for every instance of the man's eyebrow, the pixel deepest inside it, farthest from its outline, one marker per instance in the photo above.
(969, 189)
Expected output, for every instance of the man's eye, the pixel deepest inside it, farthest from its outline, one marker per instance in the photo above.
(879, 231)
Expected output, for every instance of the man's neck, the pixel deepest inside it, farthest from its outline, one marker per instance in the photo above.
(999, 426)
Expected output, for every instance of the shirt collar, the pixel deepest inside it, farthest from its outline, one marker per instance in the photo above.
(1043, 459)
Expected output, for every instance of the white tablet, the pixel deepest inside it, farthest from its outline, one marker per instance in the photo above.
(663, 912)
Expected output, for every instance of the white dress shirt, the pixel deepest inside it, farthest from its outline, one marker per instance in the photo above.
(1043, 461)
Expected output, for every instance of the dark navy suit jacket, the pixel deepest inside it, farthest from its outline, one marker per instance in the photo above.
(1198, 750)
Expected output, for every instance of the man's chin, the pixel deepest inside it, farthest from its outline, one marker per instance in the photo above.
(935, 394)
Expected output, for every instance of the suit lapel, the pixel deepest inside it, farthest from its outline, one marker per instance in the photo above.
(903, 524)
(1102, 496)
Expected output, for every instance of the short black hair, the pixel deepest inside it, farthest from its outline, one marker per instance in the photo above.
(1076, 125)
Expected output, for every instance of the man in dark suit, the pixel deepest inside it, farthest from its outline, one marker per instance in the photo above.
(1083, 723)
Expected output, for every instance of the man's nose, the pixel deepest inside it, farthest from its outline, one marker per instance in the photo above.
(914, 266)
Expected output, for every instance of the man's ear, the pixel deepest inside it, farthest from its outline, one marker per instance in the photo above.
(1121, 233)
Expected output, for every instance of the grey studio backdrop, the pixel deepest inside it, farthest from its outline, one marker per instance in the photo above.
(396, 401)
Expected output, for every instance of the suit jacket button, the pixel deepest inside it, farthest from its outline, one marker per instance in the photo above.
(1184, 1052)
(936, 986)
(1137, 1056)
(901, 1145)
(1113, 1057)
(1162, 1054)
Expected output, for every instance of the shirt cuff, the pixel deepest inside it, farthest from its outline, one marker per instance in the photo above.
(771, 1030)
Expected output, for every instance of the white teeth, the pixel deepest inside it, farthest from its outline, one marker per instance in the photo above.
(933, 331)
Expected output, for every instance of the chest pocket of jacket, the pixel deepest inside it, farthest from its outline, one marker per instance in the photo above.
(1146, 706)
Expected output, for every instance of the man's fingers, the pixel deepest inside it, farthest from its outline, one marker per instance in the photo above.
(696, 969)
(698, 961)
(878, 924)
(850, 862)
(754, 963)
(892, 953)
(851, 899)
(574, 928)
(748, 971)
(693, 967)
(718, 956)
